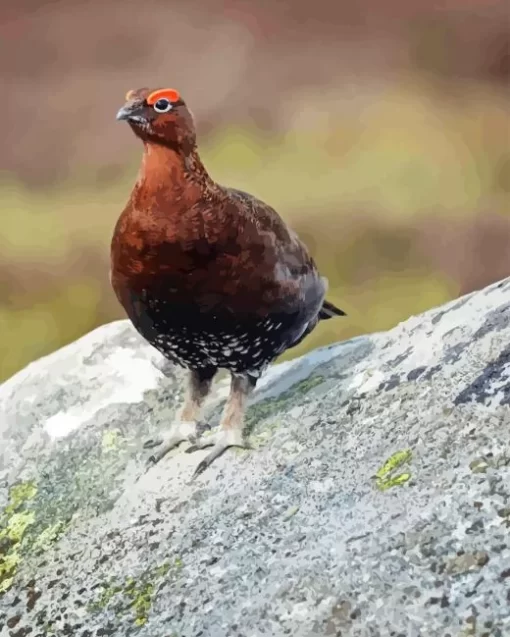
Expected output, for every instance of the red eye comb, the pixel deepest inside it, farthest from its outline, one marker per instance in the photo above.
(167, 93)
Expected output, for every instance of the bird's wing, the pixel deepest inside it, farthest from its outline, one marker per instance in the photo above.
(285, 260)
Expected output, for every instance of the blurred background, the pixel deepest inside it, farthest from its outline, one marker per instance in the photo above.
(379, 130)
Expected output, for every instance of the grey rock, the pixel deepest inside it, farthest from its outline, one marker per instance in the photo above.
(312, 534)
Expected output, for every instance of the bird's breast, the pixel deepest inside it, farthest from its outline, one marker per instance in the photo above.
(193, 259)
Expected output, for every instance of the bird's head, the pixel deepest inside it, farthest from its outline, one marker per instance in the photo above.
(160, 116)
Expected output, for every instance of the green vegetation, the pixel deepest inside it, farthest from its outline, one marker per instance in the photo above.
(386, 200)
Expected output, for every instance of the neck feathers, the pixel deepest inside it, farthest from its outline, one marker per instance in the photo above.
(173, 175)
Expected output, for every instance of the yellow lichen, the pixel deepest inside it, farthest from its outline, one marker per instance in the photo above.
(16, 526)
(110, 440)
(162, 570)
(130, 594)
(49, 535)
(19, 494)
(13, 525)
(142, 602)
(291, 512)
(8, 566)
(385, 478)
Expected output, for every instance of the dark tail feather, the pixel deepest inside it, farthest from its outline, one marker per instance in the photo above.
(328, 310)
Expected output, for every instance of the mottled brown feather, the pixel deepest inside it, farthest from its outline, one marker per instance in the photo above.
(192, 240)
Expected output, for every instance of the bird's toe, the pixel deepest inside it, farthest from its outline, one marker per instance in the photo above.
(201, 443)
(179, 432)
(220, 442)
(152, 442)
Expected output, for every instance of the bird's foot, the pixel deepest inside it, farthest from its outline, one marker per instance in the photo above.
(220, 442)
(179, 432)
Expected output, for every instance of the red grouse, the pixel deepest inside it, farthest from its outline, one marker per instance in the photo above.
(209, 275)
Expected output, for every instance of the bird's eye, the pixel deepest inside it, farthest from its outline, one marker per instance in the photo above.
(162, 106)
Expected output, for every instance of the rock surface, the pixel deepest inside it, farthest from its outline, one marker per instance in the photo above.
(309, 535)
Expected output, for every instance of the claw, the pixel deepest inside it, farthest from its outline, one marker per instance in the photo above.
(179, 432)
(220, 442)
(165, 447)
(201, 443)
(201, 467)
(150, 444)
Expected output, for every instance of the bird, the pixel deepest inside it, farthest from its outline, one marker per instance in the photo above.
(209, 275)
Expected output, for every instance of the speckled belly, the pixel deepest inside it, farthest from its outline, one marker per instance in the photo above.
(196, 340)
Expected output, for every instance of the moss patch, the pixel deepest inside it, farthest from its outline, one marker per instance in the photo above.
(258, 440)
(83, 476)
(14, 522)
(133, 595)
(271, 406)
(21, 531)
(387, 476)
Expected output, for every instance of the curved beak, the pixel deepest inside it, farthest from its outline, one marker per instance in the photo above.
(125, 113)
(135, 115)
(132, 112)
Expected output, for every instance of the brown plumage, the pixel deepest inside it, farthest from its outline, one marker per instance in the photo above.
(210, 276)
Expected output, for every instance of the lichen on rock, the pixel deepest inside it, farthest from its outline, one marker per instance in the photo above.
(132, 596)
(387, 477)
(14, 522)
(307, 533)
